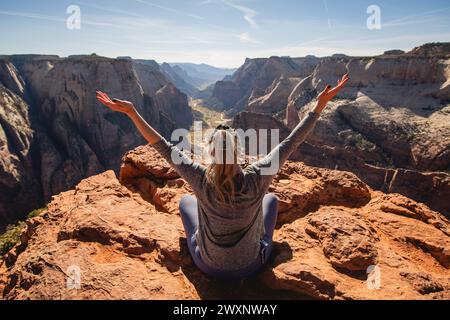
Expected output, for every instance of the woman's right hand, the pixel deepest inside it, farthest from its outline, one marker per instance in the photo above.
(115, 104)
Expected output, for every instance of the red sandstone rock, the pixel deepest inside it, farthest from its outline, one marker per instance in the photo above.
(332, 228)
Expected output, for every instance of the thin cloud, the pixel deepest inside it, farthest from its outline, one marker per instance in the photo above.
(168, 9)
(186, 40)
(107, 9)
(413, 19)
(312, 41)
(408, 22)
(57, 19)
(122, 12)
(31, 15)
(207, 2)
(249, 14)
(246, 38)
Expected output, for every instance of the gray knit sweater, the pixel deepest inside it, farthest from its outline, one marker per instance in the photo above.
(229, 238)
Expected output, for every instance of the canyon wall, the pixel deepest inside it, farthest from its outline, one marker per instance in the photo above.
(390, 125)
(254, 78)
(53, 132)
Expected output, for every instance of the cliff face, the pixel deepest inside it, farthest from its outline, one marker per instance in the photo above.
(345, 149)
(253, 79)
(177, 76)
(425, 69)
(389, 126)
(16, 162)
(59, 129)
(336, 238)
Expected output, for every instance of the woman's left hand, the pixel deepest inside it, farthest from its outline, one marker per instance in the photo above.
(329, 93)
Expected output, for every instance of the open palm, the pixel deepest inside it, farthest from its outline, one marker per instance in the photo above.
(329, 93)
(114, 104)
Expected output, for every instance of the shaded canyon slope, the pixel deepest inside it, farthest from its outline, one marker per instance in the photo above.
(53, 132)
(189, 78)
(336, 238)
(201, 75)
(390, 125)
(256, 76)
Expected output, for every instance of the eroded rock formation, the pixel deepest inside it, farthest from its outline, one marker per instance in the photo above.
(258, 77)
(16, 163)
(389, 125)
(54, 133)
(127, 241)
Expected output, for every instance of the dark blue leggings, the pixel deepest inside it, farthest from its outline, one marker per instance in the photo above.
(189, 216)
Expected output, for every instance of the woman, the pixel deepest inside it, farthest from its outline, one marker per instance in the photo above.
(229, 223)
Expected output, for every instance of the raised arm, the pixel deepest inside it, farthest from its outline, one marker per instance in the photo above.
(276, 158)
(191, 171)
(126, 107)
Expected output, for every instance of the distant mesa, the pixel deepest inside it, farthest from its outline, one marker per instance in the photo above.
(432, 49)
(393, 52)
(89, 57)
(339, 55)
(35, 57)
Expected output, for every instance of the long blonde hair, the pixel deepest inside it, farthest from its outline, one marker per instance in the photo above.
(220, 173)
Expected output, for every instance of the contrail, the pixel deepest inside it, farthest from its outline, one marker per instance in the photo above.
(328, 13)
(107, 9)
(249, 14)
(58, 19)
(155, 5)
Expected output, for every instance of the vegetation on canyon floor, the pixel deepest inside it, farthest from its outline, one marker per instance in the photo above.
(12, 234)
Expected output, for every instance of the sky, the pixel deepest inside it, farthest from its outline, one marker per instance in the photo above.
(220, 32)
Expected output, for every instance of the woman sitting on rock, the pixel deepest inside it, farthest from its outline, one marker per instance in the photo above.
(230, 222)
